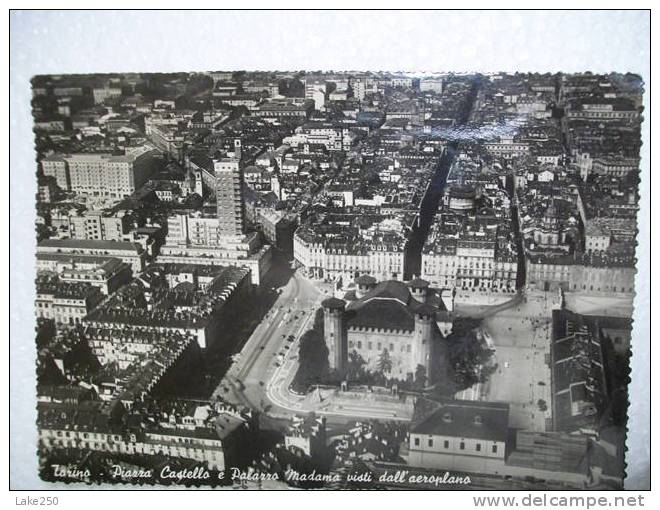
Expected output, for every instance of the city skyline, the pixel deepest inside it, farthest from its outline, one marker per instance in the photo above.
(336, 272)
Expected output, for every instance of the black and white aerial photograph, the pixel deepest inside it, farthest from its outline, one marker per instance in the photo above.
(334, 279)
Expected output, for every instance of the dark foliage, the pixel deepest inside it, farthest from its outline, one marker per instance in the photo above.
(469, 357)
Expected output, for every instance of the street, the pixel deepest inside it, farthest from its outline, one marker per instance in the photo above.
(269, 348)
(520, 335)
(518, 331)
(268, 361)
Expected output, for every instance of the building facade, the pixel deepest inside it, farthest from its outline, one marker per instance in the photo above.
(462, 436)
(98, 225)
(99, 174)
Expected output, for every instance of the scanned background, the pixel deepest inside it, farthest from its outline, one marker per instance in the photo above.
(116, 41)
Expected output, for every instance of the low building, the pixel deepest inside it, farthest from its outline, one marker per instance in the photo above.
(213, 436)
(306, 434)
(47, 189)
(296, 108)
(199, 239)
(508, 148)
(431, 85)
(56, 166)
(579, 387)
(459, 435)
(108, 275)
(102, 94)
(65, 303)
(615, 166)
(105, 272)
(149, 303)
(62, 249)
(471, 244)
(258, 262)
(278, 228)
(328, 134)
(99, 225)
(552, 456)
(102, 174)
(370, 244)
(603, 109)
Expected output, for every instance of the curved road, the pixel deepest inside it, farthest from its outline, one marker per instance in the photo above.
(268, 348)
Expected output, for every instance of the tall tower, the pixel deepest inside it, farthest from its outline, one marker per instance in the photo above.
(335, 332)
(423, 340)
(229, 193)
(237, 149)
(199, 183)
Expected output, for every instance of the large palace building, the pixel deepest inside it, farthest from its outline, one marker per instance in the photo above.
(409, 321)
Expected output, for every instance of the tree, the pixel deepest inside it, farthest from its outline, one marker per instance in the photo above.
(355, 366)
(313, 359)
(470, 358)
(420, 377)
(385, 362)
(45, 332)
